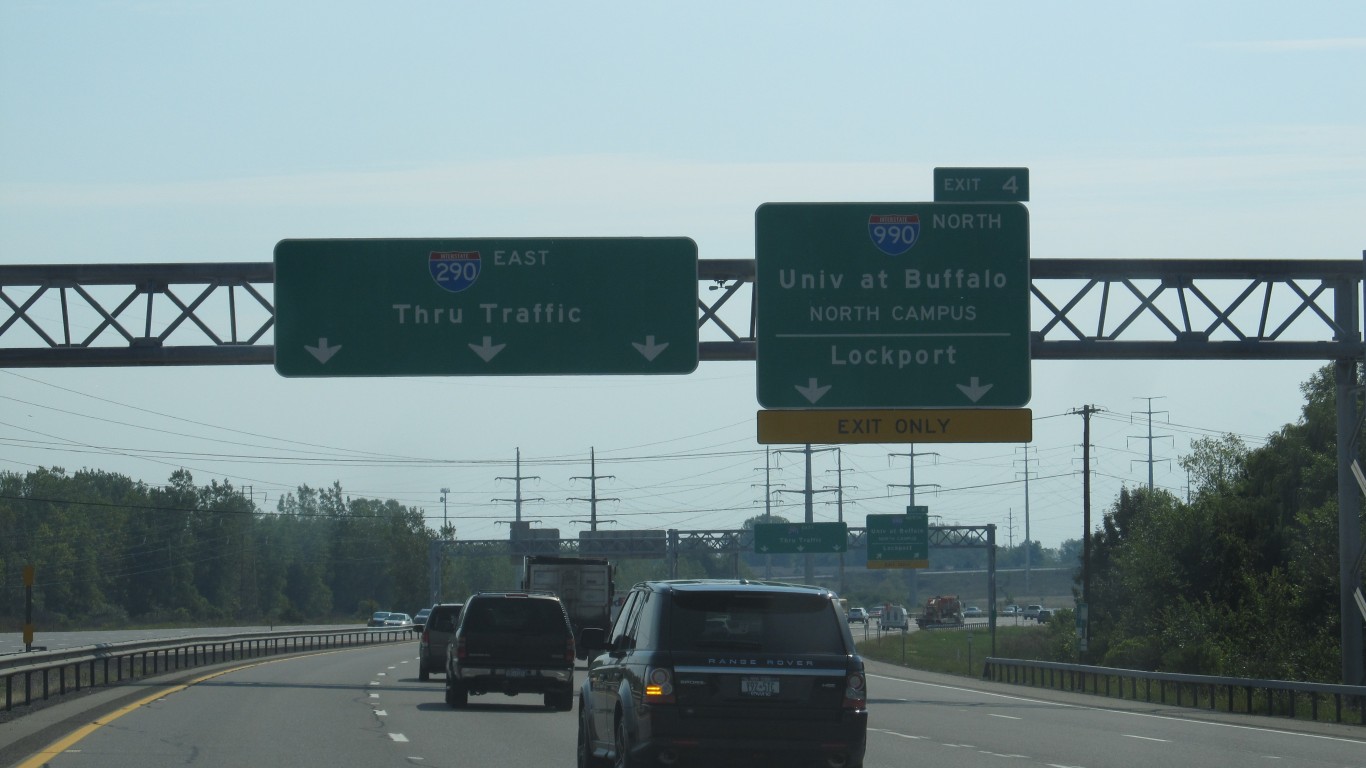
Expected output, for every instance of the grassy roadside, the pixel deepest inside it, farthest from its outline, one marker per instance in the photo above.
(959, 651)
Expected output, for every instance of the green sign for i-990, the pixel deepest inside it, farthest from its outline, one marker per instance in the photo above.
(486, 307)
(892, 305)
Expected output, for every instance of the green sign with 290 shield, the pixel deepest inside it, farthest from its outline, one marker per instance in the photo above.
(471, 306)
(795, 538)
(892, 305)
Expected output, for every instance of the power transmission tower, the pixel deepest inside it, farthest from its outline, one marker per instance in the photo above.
(839, 487)
(913, 581)
(517, 494)
(1151, 437)
(809, 493)
(768, 485)
(911, 485)
(592, 499)
(768, 504)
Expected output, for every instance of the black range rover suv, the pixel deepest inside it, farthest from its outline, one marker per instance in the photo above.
(716, 672)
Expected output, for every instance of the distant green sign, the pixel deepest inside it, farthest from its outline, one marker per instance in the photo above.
(899, 541)
(490, 307)
(981, 185)
(800, 538)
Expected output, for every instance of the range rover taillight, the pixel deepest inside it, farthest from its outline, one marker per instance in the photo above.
(855, 691)
(659, 686)
(569, 650)
(460, 652)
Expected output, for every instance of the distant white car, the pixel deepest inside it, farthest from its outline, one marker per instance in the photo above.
(973, 612)
(858, 616)
(398, 621)
(1032, 611)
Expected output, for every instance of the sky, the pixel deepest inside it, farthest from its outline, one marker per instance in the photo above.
(177, 132)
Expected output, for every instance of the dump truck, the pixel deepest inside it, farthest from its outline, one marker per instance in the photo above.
(583, 584)
(941, 611)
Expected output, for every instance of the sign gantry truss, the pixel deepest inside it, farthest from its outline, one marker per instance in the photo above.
(224, 314)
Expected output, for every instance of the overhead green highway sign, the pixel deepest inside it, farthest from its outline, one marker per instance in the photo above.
(892, 305)
(899, 541)
(484, 306)
(800, 538)
(981, 185)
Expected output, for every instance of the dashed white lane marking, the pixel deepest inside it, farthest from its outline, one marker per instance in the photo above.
(374, 695)
(1148, 738)
(894, 733)
(381, 713)
(398, 737)
(1005, 717)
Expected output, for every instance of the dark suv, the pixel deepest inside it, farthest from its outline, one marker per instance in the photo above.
(723, 671)
(511, 643)
(436, 635)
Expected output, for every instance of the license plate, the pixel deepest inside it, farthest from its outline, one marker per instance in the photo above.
(759, 686)
(517, 673)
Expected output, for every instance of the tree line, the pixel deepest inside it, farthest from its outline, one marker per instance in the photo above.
(111, 551)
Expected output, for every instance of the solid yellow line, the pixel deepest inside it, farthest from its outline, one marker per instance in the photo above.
(65, 743)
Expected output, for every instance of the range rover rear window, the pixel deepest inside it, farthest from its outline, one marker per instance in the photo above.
(758, 622)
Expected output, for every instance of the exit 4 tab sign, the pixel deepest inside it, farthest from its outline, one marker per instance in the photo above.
(981, 185)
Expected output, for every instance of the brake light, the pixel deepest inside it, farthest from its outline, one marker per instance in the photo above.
(425, 637)
(659, 686)
(569, 650)
(460, 652)
(855, 692)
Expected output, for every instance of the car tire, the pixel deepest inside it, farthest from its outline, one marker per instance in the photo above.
(422, 673)
(456, 695)
(585, 745)
(623, 746)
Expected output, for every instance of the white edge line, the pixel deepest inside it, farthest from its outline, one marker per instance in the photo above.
(1122, 712)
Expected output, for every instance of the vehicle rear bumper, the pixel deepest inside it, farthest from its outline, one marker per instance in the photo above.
(669, 736)
(502, 680)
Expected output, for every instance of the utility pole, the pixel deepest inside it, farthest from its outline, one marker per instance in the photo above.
(1150, 436)
(1085, 413)
(445, 523)
(1029, 544)
(809, 494)
(839, 487)
(592, 499)
(441, 563)
(517, 495)
(768, 505)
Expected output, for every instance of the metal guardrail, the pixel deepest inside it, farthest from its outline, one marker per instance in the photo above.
(1282, 698)
(42, 675)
